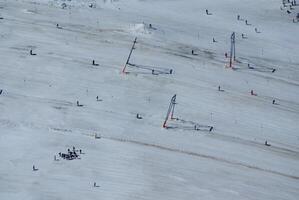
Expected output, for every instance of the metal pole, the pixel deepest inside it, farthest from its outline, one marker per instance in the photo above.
(232, 49)
(173, 105)
(234, 45)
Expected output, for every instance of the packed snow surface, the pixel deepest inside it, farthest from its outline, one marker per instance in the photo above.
(130, 158)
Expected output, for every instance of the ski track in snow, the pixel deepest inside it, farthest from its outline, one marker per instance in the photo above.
(200, 155)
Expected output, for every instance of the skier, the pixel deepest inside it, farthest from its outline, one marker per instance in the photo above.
(249, 67)
(246, 22)
(192, 52)
(78, 103)
(251, 92)
(219, 89)
(273, 70)
(267, 144)
(97, 98)
(273, 102)
(1, 91)
(170, 72)
(31, 53)
(214, 40)
(243, 36)
(150, 25)
(225, 55)
(33, 168)
(80, 151)
(207, 12)
(238, 17)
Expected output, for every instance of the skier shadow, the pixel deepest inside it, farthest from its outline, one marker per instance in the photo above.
(264, 69)
(258, 69)
(189, 126)
(144, 69)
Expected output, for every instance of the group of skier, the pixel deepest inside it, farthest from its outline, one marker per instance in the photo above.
(70, 155)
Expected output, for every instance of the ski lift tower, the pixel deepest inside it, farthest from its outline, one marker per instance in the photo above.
(170, 111)
(128, 59)
(232, 49)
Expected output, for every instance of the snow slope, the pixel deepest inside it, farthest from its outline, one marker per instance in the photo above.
(138, 159)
